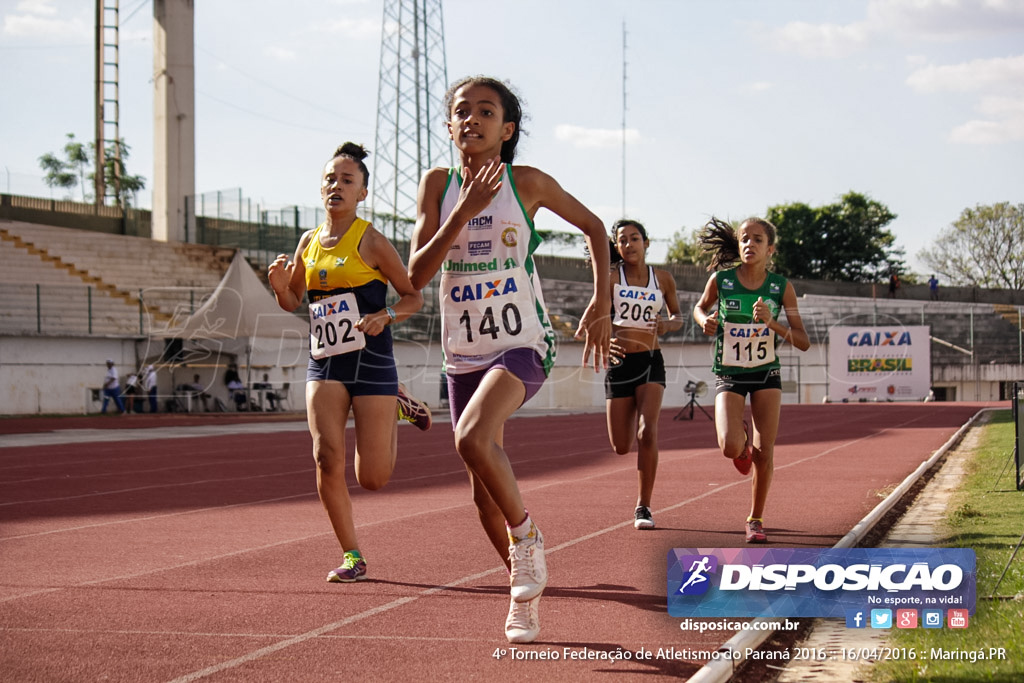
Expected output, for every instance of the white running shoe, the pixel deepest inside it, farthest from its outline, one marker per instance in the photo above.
(529, 569)
(642, 518)
(523, 622)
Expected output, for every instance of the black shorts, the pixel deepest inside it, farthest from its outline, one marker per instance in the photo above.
(749, 382)
(363, 372)
(634, 370)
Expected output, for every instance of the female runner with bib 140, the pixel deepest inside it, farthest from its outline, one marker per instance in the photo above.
(475, 225)
(635, 385)
(747, 331)
(344, 266)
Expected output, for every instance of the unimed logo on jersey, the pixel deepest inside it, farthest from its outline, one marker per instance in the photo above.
(822, 582)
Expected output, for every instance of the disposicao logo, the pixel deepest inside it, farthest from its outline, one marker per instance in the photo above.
(697, 579)
(830, 582)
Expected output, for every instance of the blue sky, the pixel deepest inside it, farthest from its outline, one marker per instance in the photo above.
(733, 106)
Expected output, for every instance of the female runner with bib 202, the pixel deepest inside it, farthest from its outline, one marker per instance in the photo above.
(740, 308)
(635, 385)
(344, 266)
(475, 225)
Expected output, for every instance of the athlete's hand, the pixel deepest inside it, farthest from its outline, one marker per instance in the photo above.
(615, 352)
(762, 312)
(279, 273)
(373, 324)
(710, 326)
(596, 327)
(479, 189)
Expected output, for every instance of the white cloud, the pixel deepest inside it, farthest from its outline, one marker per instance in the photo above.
(927, 19)
(39, 21)
(37, 7)
(577, 136)
(979, 74)
(820, 40)
(757, 87)
(1002, 114)
(281, 54)
(352, 28)
(1005, 123)
(944, 19)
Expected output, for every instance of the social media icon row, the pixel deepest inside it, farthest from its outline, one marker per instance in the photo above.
(905, 618)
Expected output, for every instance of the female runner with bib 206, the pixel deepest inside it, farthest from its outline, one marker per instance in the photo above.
(475, 225)
(746, 329)
(344, 266)
(635, 385)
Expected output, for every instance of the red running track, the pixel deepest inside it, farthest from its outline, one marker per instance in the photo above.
(167, 557)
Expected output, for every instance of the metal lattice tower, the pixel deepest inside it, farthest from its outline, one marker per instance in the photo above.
(411, 137)
(108, 99)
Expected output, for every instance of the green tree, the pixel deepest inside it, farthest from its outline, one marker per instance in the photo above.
(685, 248)
(78, 157)
(846, 240)
(114, 168)
(984, 247)
(69, 171)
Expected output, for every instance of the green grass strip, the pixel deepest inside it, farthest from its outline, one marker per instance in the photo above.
(986, 514)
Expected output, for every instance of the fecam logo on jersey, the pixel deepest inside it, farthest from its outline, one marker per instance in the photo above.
(484, 290)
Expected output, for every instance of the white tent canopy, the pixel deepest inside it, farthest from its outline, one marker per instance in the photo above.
(242, 318)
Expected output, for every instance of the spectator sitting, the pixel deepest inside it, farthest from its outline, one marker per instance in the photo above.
(199, 391)
(267, 389)
(235, 387)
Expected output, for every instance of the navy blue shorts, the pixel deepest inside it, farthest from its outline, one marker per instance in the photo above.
(523, 363)
(634, 370)
(749, 382)
(363, 372)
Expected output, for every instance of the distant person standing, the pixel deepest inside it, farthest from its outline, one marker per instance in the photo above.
(894, 284)
(149, 386)
(132, 402)
(112, 388)
(933, 288)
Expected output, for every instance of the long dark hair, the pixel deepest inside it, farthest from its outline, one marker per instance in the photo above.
(719, 239)
(511, 108)
(616, 257)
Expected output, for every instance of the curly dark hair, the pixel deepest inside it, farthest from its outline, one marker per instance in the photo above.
(511, 108)
(356, 153)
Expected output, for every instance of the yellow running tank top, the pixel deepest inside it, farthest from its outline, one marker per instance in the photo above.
(340, 266)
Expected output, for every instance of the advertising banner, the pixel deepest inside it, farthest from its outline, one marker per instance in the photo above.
(816, 582)
(879, 363)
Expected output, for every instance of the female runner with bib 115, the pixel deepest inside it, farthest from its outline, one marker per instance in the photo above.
(635, 385)
(746, 330)
(344, 266)
(475, 225)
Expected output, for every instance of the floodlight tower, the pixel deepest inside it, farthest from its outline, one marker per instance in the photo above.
(410, 134)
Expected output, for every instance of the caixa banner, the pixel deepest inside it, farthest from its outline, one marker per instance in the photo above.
(822, 582)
